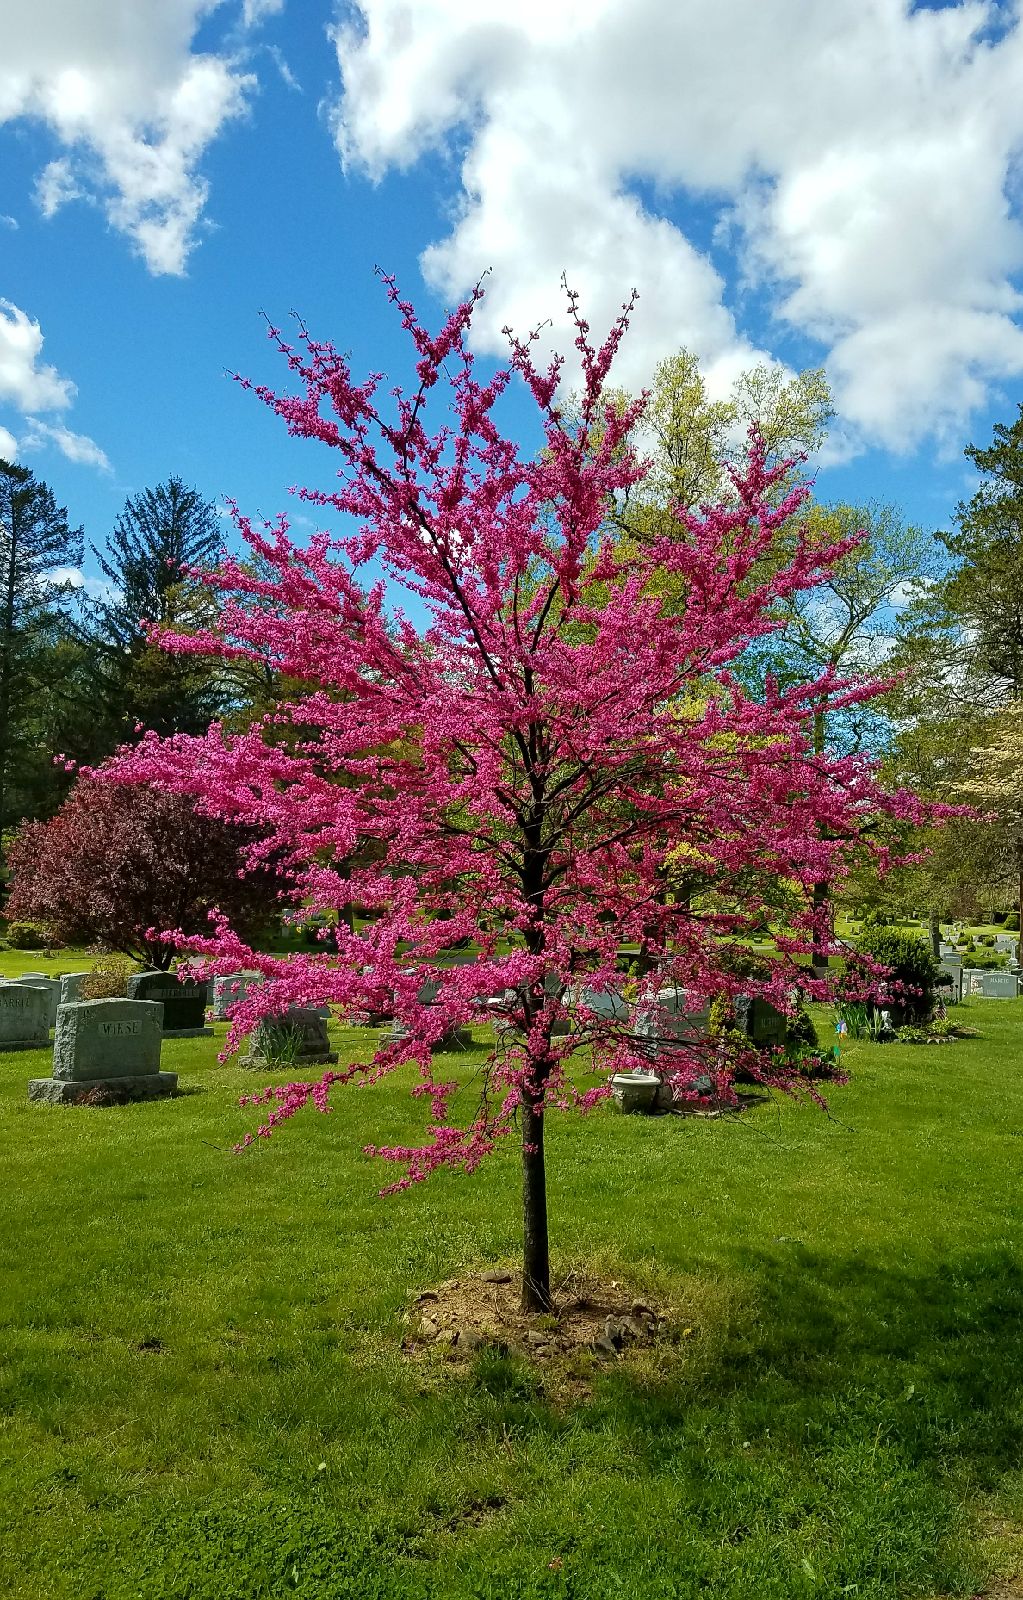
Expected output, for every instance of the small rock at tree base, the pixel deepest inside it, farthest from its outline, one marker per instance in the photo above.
(495, 1275)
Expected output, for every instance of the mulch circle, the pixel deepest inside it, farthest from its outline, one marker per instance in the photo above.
(481, 1310)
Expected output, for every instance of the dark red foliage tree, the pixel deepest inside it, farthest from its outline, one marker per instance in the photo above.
(115, 866)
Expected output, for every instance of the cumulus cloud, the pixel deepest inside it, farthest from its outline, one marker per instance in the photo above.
(77, 447)
(25, 381)
(30, 385)
(131, 105)
(853, 163)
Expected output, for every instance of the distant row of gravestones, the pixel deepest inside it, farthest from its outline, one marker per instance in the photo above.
(958, 980)
(113, 1046)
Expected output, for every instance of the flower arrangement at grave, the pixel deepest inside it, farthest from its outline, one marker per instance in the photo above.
(525, 770)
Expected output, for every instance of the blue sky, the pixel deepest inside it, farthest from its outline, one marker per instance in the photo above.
(782, 180)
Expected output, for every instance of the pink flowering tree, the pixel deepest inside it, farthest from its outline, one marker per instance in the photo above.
(534, 767)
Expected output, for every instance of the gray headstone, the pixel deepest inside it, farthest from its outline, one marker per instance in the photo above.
(1000, 986)
(297, 1038)
(107, 1039)
(950, 978)
(973, 981)
(39, 980)
(679, 1018)
(230, 990)
(24, 1017)
(607, 1004)
(70, 987)
(761, 1022)
(183, 1001)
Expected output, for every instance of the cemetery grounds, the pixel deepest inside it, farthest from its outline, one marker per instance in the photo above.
(204, 1393)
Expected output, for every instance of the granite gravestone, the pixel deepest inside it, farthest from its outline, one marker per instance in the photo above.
(762, 1023)
(183, 1001)
(230, 990)
(949, 985)
(24, 1017)
(70, 987)
(673, 1017)
(106, 1046)
(999, 986)
(456, 1038)
(39, 980)
(297, 1038)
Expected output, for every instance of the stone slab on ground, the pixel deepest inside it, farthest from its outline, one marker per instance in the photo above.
(66, 1092)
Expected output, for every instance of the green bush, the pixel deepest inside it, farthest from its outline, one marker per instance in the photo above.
(986, 938)
(108, 977)
(27, 936)
(1012, 922)
(911, 962)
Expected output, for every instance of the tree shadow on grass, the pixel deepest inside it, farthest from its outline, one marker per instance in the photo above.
(939, 1353)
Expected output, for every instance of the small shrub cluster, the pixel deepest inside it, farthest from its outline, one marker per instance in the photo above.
(108, 977)
(28, 936)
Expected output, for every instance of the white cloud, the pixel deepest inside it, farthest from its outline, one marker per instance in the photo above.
(8, 222)
(254, 11)
(858, 157)
(77, 447)
(132, 107)
(30, 385)
(75, 578)
(24, 381)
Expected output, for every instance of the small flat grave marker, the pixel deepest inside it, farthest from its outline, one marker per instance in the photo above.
(183, 1001)
(111, 1045)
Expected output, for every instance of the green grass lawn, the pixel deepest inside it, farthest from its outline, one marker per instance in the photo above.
(202, 1394)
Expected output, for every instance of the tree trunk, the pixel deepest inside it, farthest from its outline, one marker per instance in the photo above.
(1019, 907)
(821, 897)
(536, 1266)
(936, 935)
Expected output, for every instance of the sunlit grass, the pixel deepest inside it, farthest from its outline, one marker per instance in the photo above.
(202, 1392)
